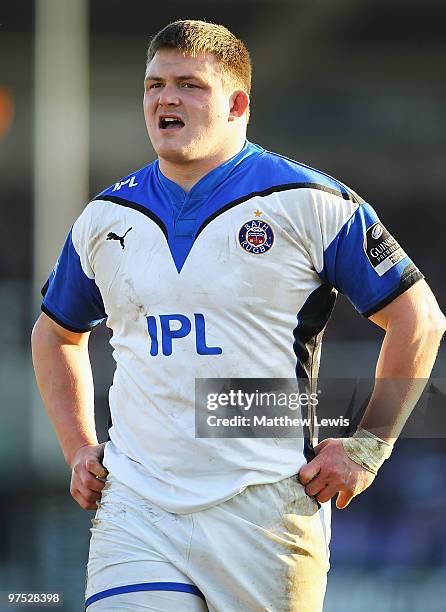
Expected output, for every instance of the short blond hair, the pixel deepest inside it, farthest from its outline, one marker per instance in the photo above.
(193, 37)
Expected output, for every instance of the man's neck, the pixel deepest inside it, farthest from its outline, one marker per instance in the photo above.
(187, 174)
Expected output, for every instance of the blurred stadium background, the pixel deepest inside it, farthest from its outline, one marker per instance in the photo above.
(355, 88)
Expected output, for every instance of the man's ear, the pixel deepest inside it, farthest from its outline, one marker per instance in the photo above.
(239, 104)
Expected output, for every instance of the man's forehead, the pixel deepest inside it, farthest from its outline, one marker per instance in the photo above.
(171, 62)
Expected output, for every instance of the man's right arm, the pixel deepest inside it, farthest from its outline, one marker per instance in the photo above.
(63, 373)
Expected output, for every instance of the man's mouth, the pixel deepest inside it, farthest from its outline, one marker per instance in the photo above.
(170, 123)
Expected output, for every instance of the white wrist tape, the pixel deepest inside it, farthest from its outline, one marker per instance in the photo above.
(367, 450)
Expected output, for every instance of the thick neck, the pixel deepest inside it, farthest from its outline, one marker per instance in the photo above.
(187, 174)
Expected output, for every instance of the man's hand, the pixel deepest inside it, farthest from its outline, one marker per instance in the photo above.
(331, 472)
(87, 468)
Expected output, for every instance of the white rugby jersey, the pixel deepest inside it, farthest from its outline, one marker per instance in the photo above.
(235, 279)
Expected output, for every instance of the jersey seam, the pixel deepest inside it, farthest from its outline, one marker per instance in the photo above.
(87, 231)
(147, 212)
(331, 242)
(354, 196)
(264, 193)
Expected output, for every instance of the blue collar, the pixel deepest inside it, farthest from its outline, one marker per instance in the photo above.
(183, 202)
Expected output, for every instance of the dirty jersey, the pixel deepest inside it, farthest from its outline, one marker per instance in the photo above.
(235, 279)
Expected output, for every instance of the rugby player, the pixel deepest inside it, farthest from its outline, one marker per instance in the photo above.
(219, 259)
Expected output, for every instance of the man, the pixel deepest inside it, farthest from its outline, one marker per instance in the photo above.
(200, 263)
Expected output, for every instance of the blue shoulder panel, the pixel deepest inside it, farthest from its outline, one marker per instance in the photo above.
(131, 186)
(267, 173)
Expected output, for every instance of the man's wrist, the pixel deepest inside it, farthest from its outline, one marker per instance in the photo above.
(71, 455)
(367, 450)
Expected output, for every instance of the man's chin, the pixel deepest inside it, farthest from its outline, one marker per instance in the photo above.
(174, 154)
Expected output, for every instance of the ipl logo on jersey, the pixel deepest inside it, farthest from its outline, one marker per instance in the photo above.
(256, 237)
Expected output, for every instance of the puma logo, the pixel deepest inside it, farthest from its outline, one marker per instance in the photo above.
(113, 236)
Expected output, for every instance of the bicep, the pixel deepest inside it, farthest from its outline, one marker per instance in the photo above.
(47, 332)
(416, 306)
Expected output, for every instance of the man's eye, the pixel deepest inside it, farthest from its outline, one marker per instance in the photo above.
(153, 86)
(187, 85)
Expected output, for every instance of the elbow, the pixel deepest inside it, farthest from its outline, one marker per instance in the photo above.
(434, 324)
(441, 326)
(428, 316)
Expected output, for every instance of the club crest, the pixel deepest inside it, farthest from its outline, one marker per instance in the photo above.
(256, 237)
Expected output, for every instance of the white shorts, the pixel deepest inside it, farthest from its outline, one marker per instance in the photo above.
(264, 549)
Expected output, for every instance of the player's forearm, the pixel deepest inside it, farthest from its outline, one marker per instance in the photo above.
(405, 363)
(64, 378)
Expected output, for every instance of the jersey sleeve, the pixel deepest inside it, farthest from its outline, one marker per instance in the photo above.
(70, 295)
(365, 262)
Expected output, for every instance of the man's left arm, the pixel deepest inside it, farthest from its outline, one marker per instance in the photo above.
(414, 326)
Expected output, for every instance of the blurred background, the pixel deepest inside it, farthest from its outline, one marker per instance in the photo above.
(355, 88)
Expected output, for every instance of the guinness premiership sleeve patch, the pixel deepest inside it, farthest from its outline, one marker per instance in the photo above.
(381, 248)
(366, 263)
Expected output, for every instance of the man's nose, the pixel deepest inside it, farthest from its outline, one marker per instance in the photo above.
(168, 96)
